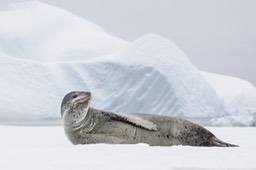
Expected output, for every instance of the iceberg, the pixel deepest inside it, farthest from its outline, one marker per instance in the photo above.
(239, 97)
(36, 31)
(46, 52)
(152, 75)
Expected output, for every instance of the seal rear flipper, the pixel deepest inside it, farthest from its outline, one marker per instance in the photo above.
(216, 142)
(133, 120)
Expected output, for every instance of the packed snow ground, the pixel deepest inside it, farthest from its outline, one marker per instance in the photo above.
(45, 52)
(47, 147)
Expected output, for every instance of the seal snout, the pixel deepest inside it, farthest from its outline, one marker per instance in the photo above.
(84, 95)
(81, 94)
(81, 97)
(87, 94)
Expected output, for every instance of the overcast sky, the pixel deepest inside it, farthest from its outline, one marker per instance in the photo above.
(218, 36)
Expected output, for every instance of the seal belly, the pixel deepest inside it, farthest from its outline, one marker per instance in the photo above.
(107, 132)
(117, 132)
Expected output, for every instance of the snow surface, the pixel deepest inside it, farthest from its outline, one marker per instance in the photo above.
(45, 52)
(47, 148)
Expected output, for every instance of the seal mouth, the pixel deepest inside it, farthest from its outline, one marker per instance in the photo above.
(82, 100)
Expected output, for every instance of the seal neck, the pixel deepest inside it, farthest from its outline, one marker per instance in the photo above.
(87, 122)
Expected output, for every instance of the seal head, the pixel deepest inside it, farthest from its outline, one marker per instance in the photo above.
(74, 98)
(74, 107)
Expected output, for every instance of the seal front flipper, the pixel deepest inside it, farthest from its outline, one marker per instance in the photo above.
(133, 120)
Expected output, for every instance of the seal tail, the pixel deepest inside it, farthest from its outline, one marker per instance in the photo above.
(216, 142)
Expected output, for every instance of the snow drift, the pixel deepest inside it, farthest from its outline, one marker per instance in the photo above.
(45, 52)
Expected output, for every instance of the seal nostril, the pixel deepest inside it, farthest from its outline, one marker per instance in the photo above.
(75, 96)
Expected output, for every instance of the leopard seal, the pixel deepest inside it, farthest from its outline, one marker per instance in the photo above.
(86, 125)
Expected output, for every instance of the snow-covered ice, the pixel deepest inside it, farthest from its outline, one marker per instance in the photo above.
(47, 148)
(45, 52)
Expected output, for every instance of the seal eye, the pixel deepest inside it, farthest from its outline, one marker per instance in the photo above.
(75, 96)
